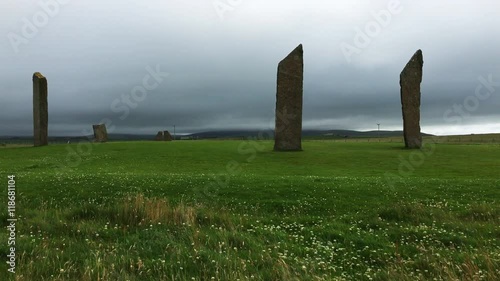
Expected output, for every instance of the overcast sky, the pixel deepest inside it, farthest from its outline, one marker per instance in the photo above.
(221, 57)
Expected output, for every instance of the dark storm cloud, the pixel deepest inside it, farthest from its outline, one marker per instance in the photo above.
(222, 73)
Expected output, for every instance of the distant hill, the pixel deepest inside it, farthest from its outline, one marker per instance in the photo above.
(222, 134)
(305, 133)
(73, 139)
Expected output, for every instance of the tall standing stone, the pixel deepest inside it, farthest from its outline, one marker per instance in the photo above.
(100, 133)
(40, 110)
(410, 80)
(289, 90)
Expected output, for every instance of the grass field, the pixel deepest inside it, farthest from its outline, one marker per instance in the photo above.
(235, 210)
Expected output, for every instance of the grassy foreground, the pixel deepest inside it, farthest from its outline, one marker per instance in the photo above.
(235, 210)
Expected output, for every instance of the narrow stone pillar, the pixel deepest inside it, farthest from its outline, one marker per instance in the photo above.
(40, 110)
(410, 80)
(288, 127)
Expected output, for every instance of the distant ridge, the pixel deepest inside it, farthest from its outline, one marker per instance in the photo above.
(222, 134)
(305, 133)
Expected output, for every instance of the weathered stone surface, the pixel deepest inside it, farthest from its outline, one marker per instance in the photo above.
(100, 133)
(40, 110)
(289, 91)
(163, 136)
(410, 80)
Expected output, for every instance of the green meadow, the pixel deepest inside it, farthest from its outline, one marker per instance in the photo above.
(236, 210)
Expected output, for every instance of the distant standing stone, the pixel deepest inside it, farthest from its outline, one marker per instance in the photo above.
(100, 133)
(159, 136)
(410, 80)
(289, 91)
(167, 136)
(40, 110)
(163, 136)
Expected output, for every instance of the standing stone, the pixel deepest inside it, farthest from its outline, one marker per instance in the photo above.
(167, 136)
(159, 136)
(100, 133)
(289, 90)
(40, 110)
(163, 136)
(410, 80)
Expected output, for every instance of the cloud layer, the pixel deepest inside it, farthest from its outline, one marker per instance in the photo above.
(222, 63)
